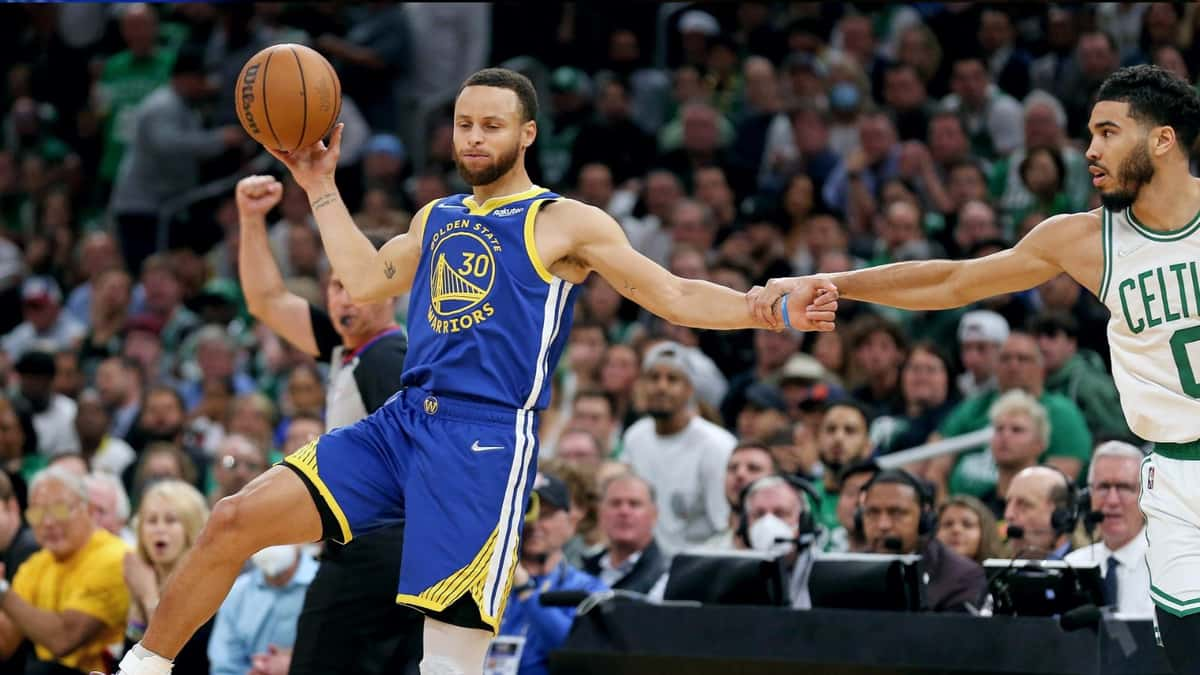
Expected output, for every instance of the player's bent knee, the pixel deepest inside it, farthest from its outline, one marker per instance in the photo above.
(227, 527)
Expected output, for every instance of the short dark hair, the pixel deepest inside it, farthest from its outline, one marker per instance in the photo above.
(1156, 97)
(503, 78)
(1053, 323)
(1109, 38)
(1055, 157)
(902, 67)
(967, 164)
(853, 404)
(600, 394)
(972, 55)
(862, 329)
(587, 323)
(861, 466)
(922, 490)
(745, 446)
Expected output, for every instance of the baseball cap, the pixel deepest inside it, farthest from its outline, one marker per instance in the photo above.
(801, 367)
(982, 325)
(36, 363)
(697, 21)
(671, 354)
(568, 80)
(765, 397)
(387, 144)
(41, 290)
(552, 490)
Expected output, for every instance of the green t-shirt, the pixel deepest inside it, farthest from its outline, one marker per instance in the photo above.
(124, 82)
(975, 472)
(827, 513)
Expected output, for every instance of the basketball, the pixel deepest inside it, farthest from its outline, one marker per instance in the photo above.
(288, 97)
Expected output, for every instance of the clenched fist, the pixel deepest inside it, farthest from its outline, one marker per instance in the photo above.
(257, 195)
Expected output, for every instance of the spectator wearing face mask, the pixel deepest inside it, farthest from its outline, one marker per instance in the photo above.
(777, 515)
(261, 610)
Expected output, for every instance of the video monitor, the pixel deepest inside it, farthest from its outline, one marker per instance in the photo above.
(721, 577)
(866, 581)
(1042, 587)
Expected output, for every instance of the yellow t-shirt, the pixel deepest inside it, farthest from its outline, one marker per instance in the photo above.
(92, 581)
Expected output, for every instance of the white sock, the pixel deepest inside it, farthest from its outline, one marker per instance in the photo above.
(142, 661)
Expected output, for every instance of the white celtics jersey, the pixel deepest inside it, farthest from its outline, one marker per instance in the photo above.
(1151, 284)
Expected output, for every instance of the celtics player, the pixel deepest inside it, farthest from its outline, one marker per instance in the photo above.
(1139, 254)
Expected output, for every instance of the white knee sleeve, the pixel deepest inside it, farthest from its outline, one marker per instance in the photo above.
(453, 650)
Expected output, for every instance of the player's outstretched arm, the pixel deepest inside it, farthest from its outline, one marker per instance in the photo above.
(601, 245)
(933, 284)
(367, 274)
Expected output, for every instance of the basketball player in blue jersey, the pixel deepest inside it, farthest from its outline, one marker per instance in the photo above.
(493, 277)
(1140, 255)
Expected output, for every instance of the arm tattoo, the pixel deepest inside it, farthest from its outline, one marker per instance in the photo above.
(324, 200)
(389, 270)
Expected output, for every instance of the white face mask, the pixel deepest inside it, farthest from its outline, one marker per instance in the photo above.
(767, 530)
(273, 560)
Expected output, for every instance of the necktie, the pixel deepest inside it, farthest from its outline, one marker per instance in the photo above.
(1110, 581)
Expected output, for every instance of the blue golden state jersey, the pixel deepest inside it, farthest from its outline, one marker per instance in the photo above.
(487, 321)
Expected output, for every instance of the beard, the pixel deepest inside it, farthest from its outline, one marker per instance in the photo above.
(1135, 171)
(659, 413)
(502, 164)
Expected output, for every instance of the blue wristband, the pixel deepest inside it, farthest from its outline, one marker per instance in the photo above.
(783, 310)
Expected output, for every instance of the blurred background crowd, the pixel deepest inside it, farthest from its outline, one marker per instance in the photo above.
(734, 142)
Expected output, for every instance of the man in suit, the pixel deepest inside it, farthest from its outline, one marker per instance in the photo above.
(628, 514)
(898, 517)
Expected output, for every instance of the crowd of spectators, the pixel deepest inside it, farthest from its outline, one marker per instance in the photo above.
(734, 142)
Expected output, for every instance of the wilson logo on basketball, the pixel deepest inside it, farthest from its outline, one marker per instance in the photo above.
(248, 98)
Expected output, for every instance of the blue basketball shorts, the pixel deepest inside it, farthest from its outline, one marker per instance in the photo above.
(458, 473)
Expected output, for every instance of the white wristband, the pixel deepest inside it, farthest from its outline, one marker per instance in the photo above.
(141, 661)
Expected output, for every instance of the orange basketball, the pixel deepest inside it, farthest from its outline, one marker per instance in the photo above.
(288, 97)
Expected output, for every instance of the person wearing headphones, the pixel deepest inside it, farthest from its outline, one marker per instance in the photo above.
(1114, 483)
(776, 518)
(1040, 510)
(897, 516)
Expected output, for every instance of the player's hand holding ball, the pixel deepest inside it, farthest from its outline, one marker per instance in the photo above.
(313, 166)
(288, 98)
(257, 195)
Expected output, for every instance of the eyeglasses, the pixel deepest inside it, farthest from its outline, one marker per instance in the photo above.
(60, 512)
(1124, 490)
